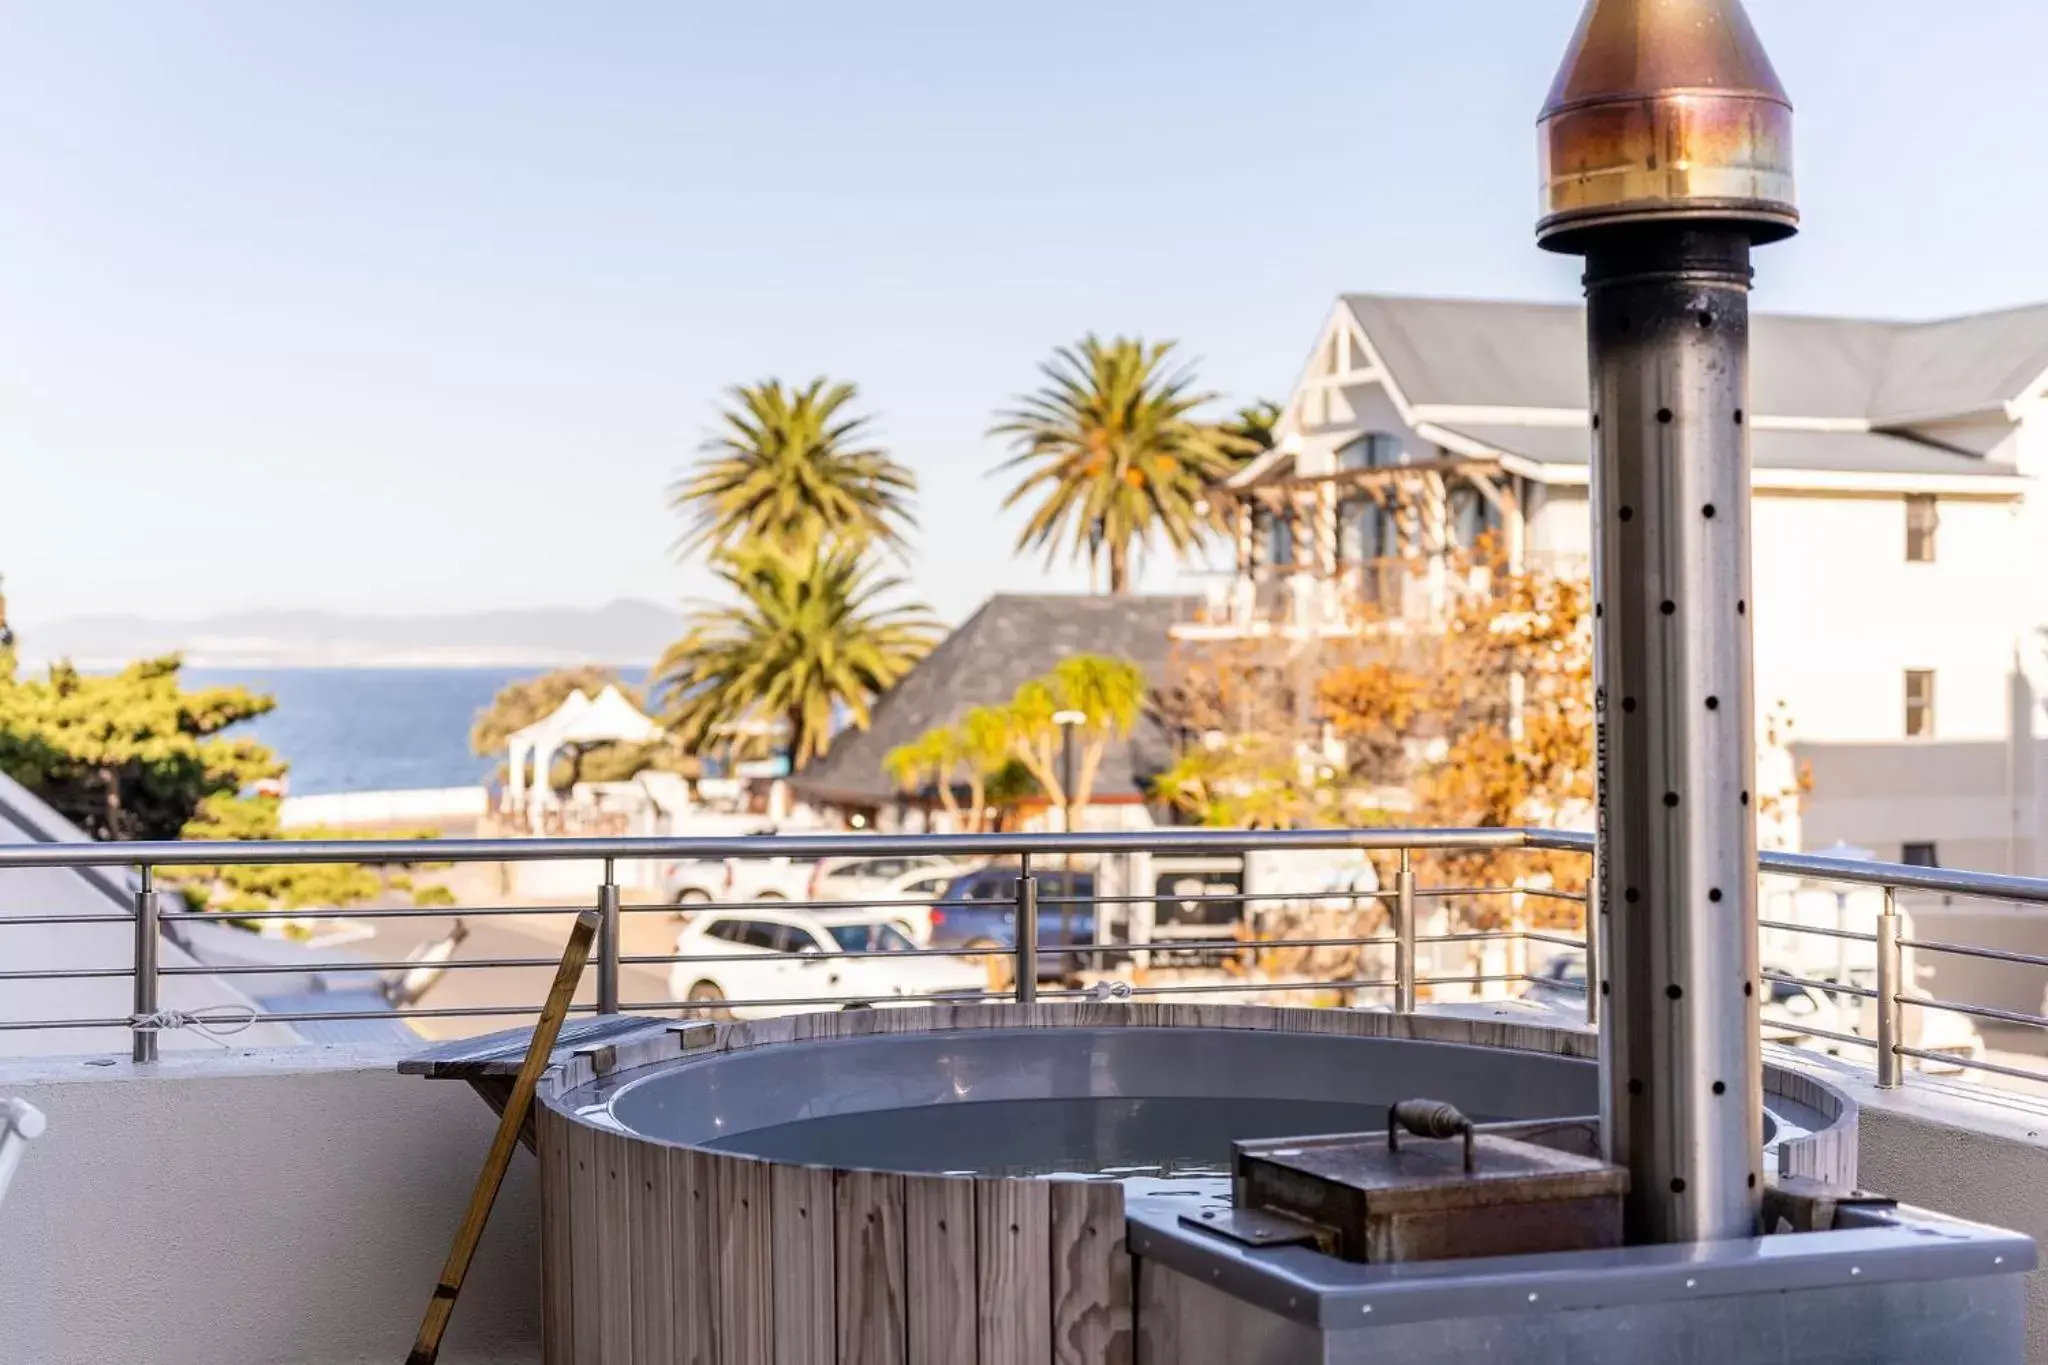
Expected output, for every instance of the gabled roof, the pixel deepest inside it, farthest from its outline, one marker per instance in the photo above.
(1967, 364)
(1866, 452)
(1484, 353)
(1008, 642)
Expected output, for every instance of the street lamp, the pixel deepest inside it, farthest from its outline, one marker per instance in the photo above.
(1069, 722)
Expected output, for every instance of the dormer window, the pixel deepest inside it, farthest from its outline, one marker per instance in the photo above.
(1374, 450)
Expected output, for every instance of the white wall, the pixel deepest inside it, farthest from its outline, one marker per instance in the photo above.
(421, 806)
(282, 1208)
(1840, 616)
(1560, 525)
(1359, 408)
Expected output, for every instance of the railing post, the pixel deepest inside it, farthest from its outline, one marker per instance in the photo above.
(1027, 933)
(1593, 943)
(608, 941)
(147, 930)
(1404, 936)
(1891, 1066)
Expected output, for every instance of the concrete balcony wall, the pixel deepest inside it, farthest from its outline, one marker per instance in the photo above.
(256, 1207)
(293, 1207)
(1961, 1149)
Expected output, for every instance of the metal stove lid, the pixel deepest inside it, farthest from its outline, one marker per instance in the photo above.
(1424, 1176)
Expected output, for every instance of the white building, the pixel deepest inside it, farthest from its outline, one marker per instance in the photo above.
(1900, 533)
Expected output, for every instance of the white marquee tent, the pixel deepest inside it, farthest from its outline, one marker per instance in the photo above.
(578, 721)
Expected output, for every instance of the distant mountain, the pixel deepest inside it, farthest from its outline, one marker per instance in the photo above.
(623, 632)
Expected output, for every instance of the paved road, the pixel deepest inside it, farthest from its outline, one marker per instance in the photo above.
(643, 933)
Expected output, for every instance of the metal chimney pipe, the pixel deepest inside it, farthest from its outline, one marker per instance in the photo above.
(1666, 147)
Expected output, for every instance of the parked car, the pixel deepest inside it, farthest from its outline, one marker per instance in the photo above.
(1199, 898)
(848, 879)
(1561, 982)
(1945, 1032)
(1791, 1014)
(908, 900)
(1203, 898)
(700, 881)
(756, 940)
(979, 910)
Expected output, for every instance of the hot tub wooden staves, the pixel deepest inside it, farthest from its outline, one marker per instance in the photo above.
(657, 1253)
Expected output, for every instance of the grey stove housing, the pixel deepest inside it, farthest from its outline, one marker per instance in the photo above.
(1893, 1285)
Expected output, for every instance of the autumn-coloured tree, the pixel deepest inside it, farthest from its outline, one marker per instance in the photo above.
(1493, 713)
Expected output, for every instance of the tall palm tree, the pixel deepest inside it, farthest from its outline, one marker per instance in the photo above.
(1115, 456)
(809, 638)
(792, 466)
(1251, 430)
(1246, 434)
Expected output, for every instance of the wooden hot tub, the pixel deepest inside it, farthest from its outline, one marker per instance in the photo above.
(695, 1206)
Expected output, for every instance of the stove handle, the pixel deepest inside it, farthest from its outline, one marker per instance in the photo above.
(1429, 1119)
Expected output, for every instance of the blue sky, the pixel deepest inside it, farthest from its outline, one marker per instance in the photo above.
(388, 306)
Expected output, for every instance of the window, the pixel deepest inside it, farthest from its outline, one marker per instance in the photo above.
(877, 869)
(1365, 531)
(1919, 703)
(1923, 519)
(727, 930)
(1376, 450)
(1280, 542)
(871, 938)
(756, 933)
(1918, 855)
(988, 885)
(1471, 516)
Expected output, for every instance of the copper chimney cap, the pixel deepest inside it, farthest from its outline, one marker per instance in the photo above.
(1665, 110)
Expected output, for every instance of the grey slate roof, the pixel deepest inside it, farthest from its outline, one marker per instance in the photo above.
(1868, 452)
(1008, 642)
(1483, 353)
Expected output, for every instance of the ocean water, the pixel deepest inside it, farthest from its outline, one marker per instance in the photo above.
(370, 729)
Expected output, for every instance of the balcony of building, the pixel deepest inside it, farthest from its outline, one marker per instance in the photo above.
(293, 1200)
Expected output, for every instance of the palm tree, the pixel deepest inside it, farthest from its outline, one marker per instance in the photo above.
(791, 466)
(1246, 434)
(1107, 694)
(1114, 454)
(984, 752)
(978, 747)
(1251, 430)
(928, 760)
(809, 638)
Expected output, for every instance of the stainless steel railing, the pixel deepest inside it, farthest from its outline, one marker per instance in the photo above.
(1891, 990)
(151, 918)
